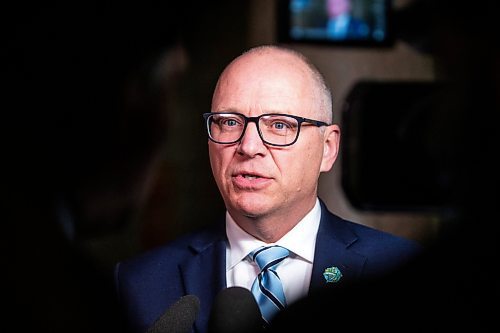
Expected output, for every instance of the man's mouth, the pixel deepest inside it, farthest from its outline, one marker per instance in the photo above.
(250, 180)
(248, 174)
(250, 177)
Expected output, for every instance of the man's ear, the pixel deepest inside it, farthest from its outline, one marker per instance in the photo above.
(331, 146)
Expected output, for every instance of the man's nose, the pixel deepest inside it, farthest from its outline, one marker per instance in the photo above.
(251, 143)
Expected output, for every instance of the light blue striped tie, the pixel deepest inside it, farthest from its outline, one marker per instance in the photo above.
(267, 287)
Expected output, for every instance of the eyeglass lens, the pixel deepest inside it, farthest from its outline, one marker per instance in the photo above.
(274, 129)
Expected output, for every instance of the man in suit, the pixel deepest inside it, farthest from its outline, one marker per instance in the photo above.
(271, 134)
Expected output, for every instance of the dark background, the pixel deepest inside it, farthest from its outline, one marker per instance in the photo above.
(96, 171)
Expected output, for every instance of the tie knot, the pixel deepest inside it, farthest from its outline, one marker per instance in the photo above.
(268, 257)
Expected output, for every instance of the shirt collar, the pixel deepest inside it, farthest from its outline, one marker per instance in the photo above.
(301, 240)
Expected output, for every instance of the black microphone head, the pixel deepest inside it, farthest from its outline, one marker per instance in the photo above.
(178, 318)
(235, 310)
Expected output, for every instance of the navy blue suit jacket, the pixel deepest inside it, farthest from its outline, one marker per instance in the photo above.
(195, 264)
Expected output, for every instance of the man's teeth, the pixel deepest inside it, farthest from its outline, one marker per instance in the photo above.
(250, 177)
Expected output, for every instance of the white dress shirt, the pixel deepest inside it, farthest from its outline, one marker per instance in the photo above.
(294, 272)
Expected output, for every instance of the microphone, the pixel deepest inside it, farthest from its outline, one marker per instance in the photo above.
(179, 317)
(235, 311)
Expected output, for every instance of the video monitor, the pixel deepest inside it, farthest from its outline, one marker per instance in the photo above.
(336, 22)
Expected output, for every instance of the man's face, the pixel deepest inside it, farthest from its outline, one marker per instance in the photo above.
(257, 180)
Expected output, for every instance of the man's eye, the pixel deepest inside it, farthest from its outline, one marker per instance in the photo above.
(279, 125)
(230, 122)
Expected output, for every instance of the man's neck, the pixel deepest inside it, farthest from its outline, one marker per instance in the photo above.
(271, 228)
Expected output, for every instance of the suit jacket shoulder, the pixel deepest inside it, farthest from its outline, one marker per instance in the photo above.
(150, 283)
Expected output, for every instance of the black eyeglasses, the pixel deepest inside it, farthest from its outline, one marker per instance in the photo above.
(274, 129)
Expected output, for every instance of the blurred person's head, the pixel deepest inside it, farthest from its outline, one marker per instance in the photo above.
(336, 8)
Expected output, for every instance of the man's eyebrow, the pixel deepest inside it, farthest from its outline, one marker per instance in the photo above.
(229, 110)
(267, 111)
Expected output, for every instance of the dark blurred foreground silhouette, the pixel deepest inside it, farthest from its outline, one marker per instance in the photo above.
(88, 86)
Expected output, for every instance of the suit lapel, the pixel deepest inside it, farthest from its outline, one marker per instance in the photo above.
(205, 275)
(332, 250)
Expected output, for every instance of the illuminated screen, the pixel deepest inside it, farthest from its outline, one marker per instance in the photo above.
(335, 22)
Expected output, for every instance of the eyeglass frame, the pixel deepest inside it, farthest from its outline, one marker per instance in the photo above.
(256, 119)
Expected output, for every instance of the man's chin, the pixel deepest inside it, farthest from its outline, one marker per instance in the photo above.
(253, 208)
